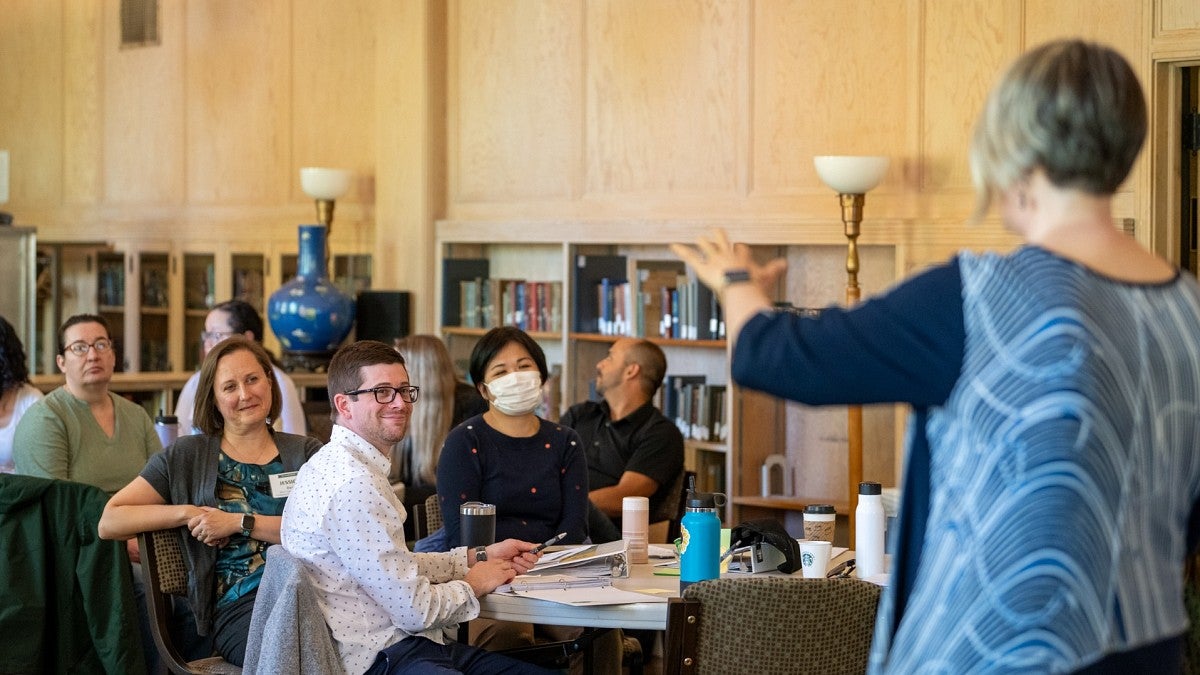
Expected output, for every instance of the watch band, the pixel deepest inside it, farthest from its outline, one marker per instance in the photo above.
(736, 277)
(480, 553)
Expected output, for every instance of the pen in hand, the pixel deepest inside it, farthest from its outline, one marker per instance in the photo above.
(549, 542)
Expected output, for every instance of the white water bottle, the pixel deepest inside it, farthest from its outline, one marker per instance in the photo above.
(635, 526)
(868, 530)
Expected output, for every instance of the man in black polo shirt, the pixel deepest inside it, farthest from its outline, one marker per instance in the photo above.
(632, 449)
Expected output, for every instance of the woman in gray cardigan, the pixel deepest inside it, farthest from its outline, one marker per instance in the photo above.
(223, 487)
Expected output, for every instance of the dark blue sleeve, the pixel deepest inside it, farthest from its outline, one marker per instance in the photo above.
(903, 346)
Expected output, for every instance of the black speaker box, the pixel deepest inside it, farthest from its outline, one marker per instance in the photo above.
(382, 315)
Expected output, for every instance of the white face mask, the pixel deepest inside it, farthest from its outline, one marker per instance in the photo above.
(516, 393)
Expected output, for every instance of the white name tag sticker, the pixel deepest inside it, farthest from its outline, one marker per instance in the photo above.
(282, 483)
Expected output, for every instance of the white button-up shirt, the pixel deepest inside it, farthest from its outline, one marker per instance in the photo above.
(343, 520)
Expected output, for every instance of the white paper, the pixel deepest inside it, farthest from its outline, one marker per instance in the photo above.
(662, 551)
(588, 597)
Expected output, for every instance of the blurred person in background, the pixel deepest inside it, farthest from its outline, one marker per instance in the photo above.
(16, 392)
(445, 402)
(237, 317)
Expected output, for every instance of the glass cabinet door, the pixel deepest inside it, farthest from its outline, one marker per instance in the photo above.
(110, 300)
(199, 295)
(154, 323)
(248, 277)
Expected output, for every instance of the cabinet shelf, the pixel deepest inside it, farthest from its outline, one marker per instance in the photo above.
(479, 332)
(662, 342)
(156, 311)
(707, 446)
(111, 309)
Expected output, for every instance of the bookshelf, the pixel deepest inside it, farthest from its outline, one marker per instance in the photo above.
(757, 425)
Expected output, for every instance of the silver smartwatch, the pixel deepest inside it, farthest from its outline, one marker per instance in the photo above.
(480, 553)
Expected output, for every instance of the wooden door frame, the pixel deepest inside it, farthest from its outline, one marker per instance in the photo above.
(1161, 210)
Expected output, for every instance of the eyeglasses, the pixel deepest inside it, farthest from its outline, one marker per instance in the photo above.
(216, 335)
(80, 348)
(388, 394)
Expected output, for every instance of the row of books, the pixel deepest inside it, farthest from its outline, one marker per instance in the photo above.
(643, 298)
(613, 295)
(529, 305)
(696, 407)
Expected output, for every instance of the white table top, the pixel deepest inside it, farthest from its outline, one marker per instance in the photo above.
(644, 615)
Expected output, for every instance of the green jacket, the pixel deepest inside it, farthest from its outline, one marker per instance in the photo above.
(66, 596)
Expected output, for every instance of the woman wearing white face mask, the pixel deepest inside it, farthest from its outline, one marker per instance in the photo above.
(532, 470)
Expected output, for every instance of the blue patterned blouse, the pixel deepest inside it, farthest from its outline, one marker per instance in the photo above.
(243, 488)
(1052, 466)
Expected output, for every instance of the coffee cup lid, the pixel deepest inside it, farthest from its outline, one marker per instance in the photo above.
(820, 509)
(477, 509)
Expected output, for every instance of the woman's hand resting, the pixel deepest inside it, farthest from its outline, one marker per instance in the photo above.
(214, 526)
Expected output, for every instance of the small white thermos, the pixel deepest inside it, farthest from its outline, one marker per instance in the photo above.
(868, 530)
(635, 528)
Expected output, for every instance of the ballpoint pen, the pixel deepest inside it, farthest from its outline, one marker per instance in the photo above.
(549, 542)
(843, 570)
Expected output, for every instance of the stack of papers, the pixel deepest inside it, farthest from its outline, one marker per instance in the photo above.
(542, 582)
(595, 560)
(568, 590)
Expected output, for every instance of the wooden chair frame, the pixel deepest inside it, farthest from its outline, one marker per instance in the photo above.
(166, 575)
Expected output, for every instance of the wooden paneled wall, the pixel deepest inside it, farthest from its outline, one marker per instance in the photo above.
(573, 111)
(198, 138)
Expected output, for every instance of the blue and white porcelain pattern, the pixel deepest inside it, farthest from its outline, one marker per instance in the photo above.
(309, 314)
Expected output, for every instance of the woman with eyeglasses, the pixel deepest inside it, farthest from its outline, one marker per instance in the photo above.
(16, 393)
(224, 487)
(83, 432)
(226, 319)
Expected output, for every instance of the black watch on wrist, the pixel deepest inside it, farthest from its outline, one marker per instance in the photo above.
(480, 553)
(736, 276)
(247, 525)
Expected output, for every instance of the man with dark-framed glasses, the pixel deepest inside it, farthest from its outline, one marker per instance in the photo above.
(385, 606)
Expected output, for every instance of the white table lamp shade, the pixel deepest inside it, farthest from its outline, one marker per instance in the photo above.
(321, 183)
(851, 175)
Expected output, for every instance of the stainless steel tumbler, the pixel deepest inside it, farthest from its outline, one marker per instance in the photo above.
(477, 521)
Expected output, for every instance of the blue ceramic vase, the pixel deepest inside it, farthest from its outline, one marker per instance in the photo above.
(309, 314)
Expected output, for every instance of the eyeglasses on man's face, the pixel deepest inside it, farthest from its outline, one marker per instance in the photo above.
(216, 335)
(80, 348)
(388, 394)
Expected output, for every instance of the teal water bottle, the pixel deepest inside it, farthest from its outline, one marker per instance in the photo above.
(700, 550)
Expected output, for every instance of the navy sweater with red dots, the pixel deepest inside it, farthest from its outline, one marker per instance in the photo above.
(538, 484)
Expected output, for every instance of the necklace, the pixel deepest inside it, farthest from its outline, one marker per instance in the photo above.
(252, 457)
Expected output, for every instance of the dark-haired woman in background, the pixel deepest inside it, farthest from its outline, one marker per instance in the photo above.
(226, 319)
(16, 393)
